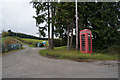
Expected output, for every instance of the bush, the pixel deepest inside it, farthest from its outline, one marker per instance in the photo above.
(115, 49)
(63, 42)
(59, 42)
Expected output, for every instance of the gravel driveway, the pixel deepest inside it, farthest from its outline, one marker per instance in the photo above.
(28, 63)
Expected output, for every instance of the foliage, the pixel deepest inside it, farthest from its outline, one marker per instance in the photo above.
(59, 42)
(45, 12)
(115, 49)
(40, 16)
(104, 25)
(65, 18)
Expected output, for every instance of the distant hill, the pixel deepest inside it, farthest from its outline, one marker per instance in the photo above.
(23, 35)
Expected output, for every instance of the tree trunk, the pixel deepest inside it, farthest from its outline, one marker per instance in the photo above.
(68, 41)
(71, 35)
(52, 35)
(49, 41)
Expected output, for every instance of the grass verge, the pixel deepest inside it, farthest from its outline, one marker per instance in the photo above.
(62, 53)
(5, 53)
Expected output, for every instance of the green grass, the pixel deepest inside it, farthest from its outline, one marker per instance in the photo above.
(3, 39)
(8, 39)
(32, 42)
(62, 53)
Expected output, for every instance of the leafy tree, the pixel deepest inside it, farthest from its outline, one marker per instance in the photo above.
(65, 16)
(40, 16)
(46, 13)
(43, 15)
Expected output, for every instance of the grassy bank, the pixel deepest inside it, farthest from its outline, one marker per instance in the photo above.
(31, 42)
(62, 53)
(34, 40)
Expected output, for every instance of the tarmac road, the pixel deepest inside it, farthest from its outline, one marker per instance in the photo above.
(28, 63)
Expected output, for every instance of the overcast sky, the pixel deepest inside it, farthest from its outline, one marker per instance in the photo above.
(17, 15)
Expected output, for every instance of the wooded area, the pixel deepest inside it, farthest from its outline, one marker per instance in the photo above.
(101, 18)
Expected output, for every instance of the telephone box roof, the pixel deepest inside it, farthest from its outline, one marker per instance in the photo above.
(85, 31)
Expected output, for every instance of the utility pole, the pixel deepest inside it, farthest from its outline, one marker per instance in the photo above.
(76, 27)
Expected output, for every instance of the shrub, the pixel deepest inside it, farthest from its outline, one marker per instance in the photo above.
(59, 42)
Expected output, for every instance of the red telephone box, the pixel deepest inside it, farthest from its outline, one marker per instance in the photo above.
(86, 41)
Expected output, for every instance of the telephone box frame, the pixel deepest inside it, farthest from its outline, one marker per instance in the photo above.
(84, 36)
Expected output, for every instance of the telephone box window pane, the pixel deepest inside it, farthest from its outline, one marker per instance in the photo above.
(83, 32)
(89, 42)
(83, 42)
(88, 31)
